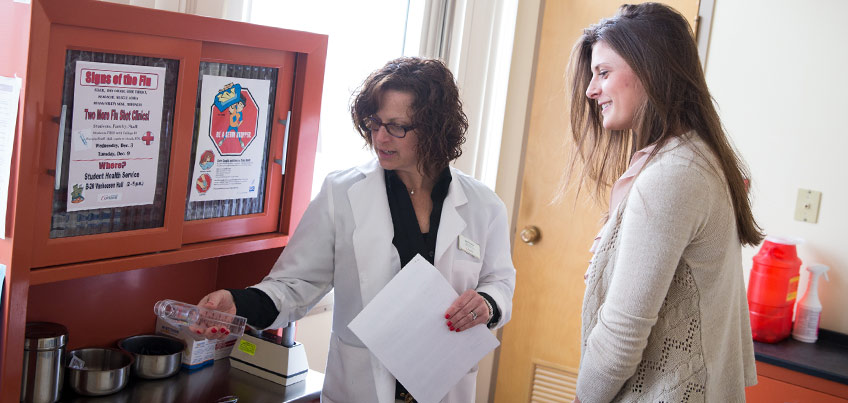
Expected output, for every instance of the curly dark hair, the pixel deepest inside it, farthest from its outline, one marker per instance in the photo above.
(440, 123)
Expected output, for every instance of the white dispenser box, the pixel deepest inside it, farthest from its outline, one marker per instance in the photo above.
(277, 359)
(199, 351)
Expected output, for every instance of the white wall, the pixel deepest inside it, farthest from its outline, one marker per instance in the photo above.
(227, 9)
(314, 332)
(777, 71)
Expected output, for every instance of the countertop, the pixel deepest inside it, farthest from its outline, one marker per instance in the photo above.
(209, 384)
(827, 358)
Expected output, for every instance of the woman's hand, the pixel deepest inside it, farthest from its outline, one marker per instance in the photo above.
(221, 300)
(460, 317)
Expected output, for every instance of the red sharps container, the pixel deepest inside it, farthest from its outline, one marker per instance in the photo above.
(772, 288)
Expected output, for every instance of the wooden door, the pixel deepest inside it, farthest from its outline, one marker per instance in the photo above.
(540, 350)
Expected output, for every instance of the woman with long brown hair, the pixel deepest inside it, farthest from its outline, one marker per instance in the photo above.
(665, 316)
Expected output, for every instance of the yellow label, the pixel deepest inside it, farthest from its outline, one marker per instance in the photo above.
(247, 347)
(793, 289)
(227, 95)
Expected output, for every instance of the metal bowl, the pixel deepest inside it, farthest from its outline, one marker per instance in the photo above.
(156, 356)
(106, 371)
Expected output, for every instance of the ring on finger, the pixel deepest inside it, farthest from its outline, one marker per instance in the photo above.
(473, 315)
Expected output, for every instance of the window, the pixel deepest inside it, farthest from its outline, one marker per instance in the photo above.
(363, 35)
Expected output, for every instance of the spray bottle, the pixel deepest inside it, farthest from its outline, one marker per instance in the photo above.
(809, 309)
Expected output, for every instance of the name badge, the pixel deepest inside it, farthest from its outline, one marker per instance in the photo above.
(468, 246)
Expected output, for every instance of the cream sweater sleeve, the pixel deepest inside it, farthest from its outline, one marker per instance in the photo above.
(668, 206)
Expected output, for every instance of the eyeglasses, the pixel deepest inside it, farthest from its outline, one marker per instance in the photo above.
(373, 123)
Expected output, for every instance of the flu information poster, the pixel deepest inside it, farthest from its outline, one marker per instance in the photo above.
(232, 138)
(115, 135)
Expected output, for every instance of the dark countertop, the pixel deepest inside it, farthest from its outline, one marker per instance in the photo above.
(827, 358)
(209, 384)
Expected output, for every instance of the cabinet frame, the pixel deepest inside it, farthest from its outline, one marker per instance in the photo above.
(33, 26)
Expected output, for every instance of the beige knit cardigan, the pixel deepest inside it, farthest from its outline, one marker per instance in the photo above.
(665, 314)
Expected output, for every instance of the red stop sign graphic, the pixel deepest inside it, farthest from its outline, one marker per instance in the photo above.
(233, 129)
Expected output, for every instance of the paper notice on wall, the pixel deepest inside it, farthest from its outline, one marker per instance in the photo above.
(115, 135)
(2, 280)
(232, 138)
(10, 90)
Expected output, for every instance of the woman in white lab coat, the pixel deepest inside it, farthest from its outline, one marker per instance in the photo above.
(367, 222)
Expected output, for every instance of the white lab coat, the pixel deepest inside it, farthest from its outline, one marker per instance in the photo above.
(344, 241)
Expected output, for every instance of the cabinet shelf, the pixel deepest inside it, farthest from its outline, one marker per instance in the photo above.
(187, 253)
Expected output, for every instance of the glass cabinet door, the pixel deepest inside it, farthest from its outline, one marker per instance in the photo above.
(115, 109)
(235, 106)
(240, 131)
(114, 144)
(149, 143)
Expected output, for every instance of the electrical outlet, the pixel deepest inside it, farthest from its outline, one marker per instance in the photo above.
(807, 206)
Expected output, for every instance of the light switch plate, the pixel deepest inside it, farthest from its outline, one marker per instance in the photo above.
(807, 206)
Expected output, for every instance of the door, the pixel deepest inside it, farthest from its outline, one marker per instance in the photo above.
(540, 350)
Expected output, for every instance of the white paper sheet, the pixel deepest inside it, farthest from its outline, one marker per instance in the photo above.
(10, 91)
(116, 132)
(404, 326)
(228, 158)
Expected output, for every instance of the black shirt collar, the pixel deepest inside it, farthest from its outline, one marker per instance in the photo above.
(408, 238)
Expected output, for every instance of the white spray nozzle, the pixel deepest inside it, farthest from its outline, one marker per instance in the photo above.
(817, 269)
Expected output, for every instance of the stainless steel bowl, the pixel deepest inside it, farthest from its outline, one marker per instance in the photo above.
(156, 356)
(106, 371)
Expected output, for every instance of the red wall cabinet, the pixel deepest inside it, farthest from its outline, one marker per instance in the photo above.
(99, 269)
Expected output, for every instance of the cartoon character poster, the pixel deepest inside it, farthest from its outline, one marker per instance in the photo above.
(232, 138)
(115, 135)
